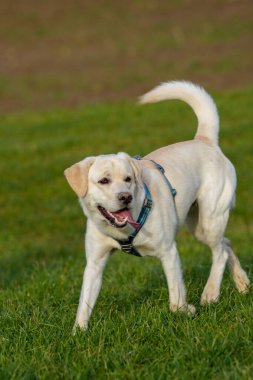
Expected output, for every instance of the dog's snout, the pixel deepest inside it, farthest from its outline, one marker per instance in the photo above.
(125, 197)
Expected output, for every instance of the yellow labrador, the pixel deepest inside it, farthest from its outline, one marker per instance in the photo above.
(114, 191)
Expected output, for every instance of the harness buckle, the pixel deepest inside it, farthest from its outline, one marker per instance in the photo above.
(148, 203)
(127, 247)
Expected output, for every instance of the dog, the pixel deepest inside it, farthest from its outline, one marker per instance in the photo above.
(131, 204)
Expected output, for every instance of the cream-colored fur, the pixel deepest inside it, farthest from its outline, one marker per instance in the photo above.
(205, 181)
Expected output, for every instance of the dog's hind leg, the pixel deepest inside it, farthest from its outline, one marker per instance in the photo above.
(223, 253)
(209, 230)
(238, 274)
(211, 290)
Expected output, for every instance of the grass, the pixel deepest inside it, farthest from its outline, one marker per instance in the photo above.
(132, 334)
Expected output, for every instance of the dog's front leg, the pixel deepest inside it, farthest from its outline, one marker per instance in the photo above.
(97, 254)
(173, 272)
(92, 281)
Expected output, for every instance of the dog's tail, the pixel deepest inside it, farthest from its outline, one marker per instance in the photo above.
(201, 103)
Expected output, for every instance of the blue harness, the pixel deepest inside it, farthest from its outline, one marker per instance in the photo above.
(127, 244)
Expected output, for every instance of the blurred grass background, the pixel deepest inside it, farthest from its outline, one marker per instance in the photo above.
(67, 53)
(69, 76)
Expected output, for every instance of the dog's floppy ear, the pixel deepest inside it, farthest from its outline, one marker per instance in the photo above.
(77, 176)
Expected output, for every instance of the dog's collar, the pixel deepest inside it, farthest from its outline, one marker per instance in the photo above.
(127, 244)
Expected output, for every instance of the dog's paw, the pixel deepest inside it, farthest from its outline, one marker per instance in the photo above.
(241, 282)
(209, 296)
(190, 309)
(81, 327)
(186, 308)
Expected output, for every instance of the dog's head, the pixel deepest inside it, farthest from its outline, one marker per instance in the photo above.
(107, 187)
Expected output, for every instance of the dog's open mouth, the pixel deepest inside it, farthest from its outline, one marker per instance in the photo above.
(119, 218)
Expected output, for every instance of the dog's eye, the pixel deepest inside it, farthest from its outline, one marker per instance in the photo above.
(128, 179)
(104, 181)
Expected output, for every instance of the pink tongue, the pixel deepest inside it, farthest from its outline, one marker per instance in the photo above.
(127, 214)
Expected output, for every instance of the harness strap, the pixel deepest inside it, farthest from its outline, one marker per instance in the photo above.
(127, 244)
(161, 169)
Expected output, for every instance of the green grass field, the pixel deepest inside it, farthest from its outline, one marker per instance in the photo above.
(132, 333)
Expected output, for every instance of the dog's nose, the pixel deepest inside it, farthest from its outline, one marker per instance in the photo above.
(125, 197)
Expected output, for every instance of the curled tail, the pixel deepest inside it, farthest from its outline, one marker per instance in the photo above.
(201, 103)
